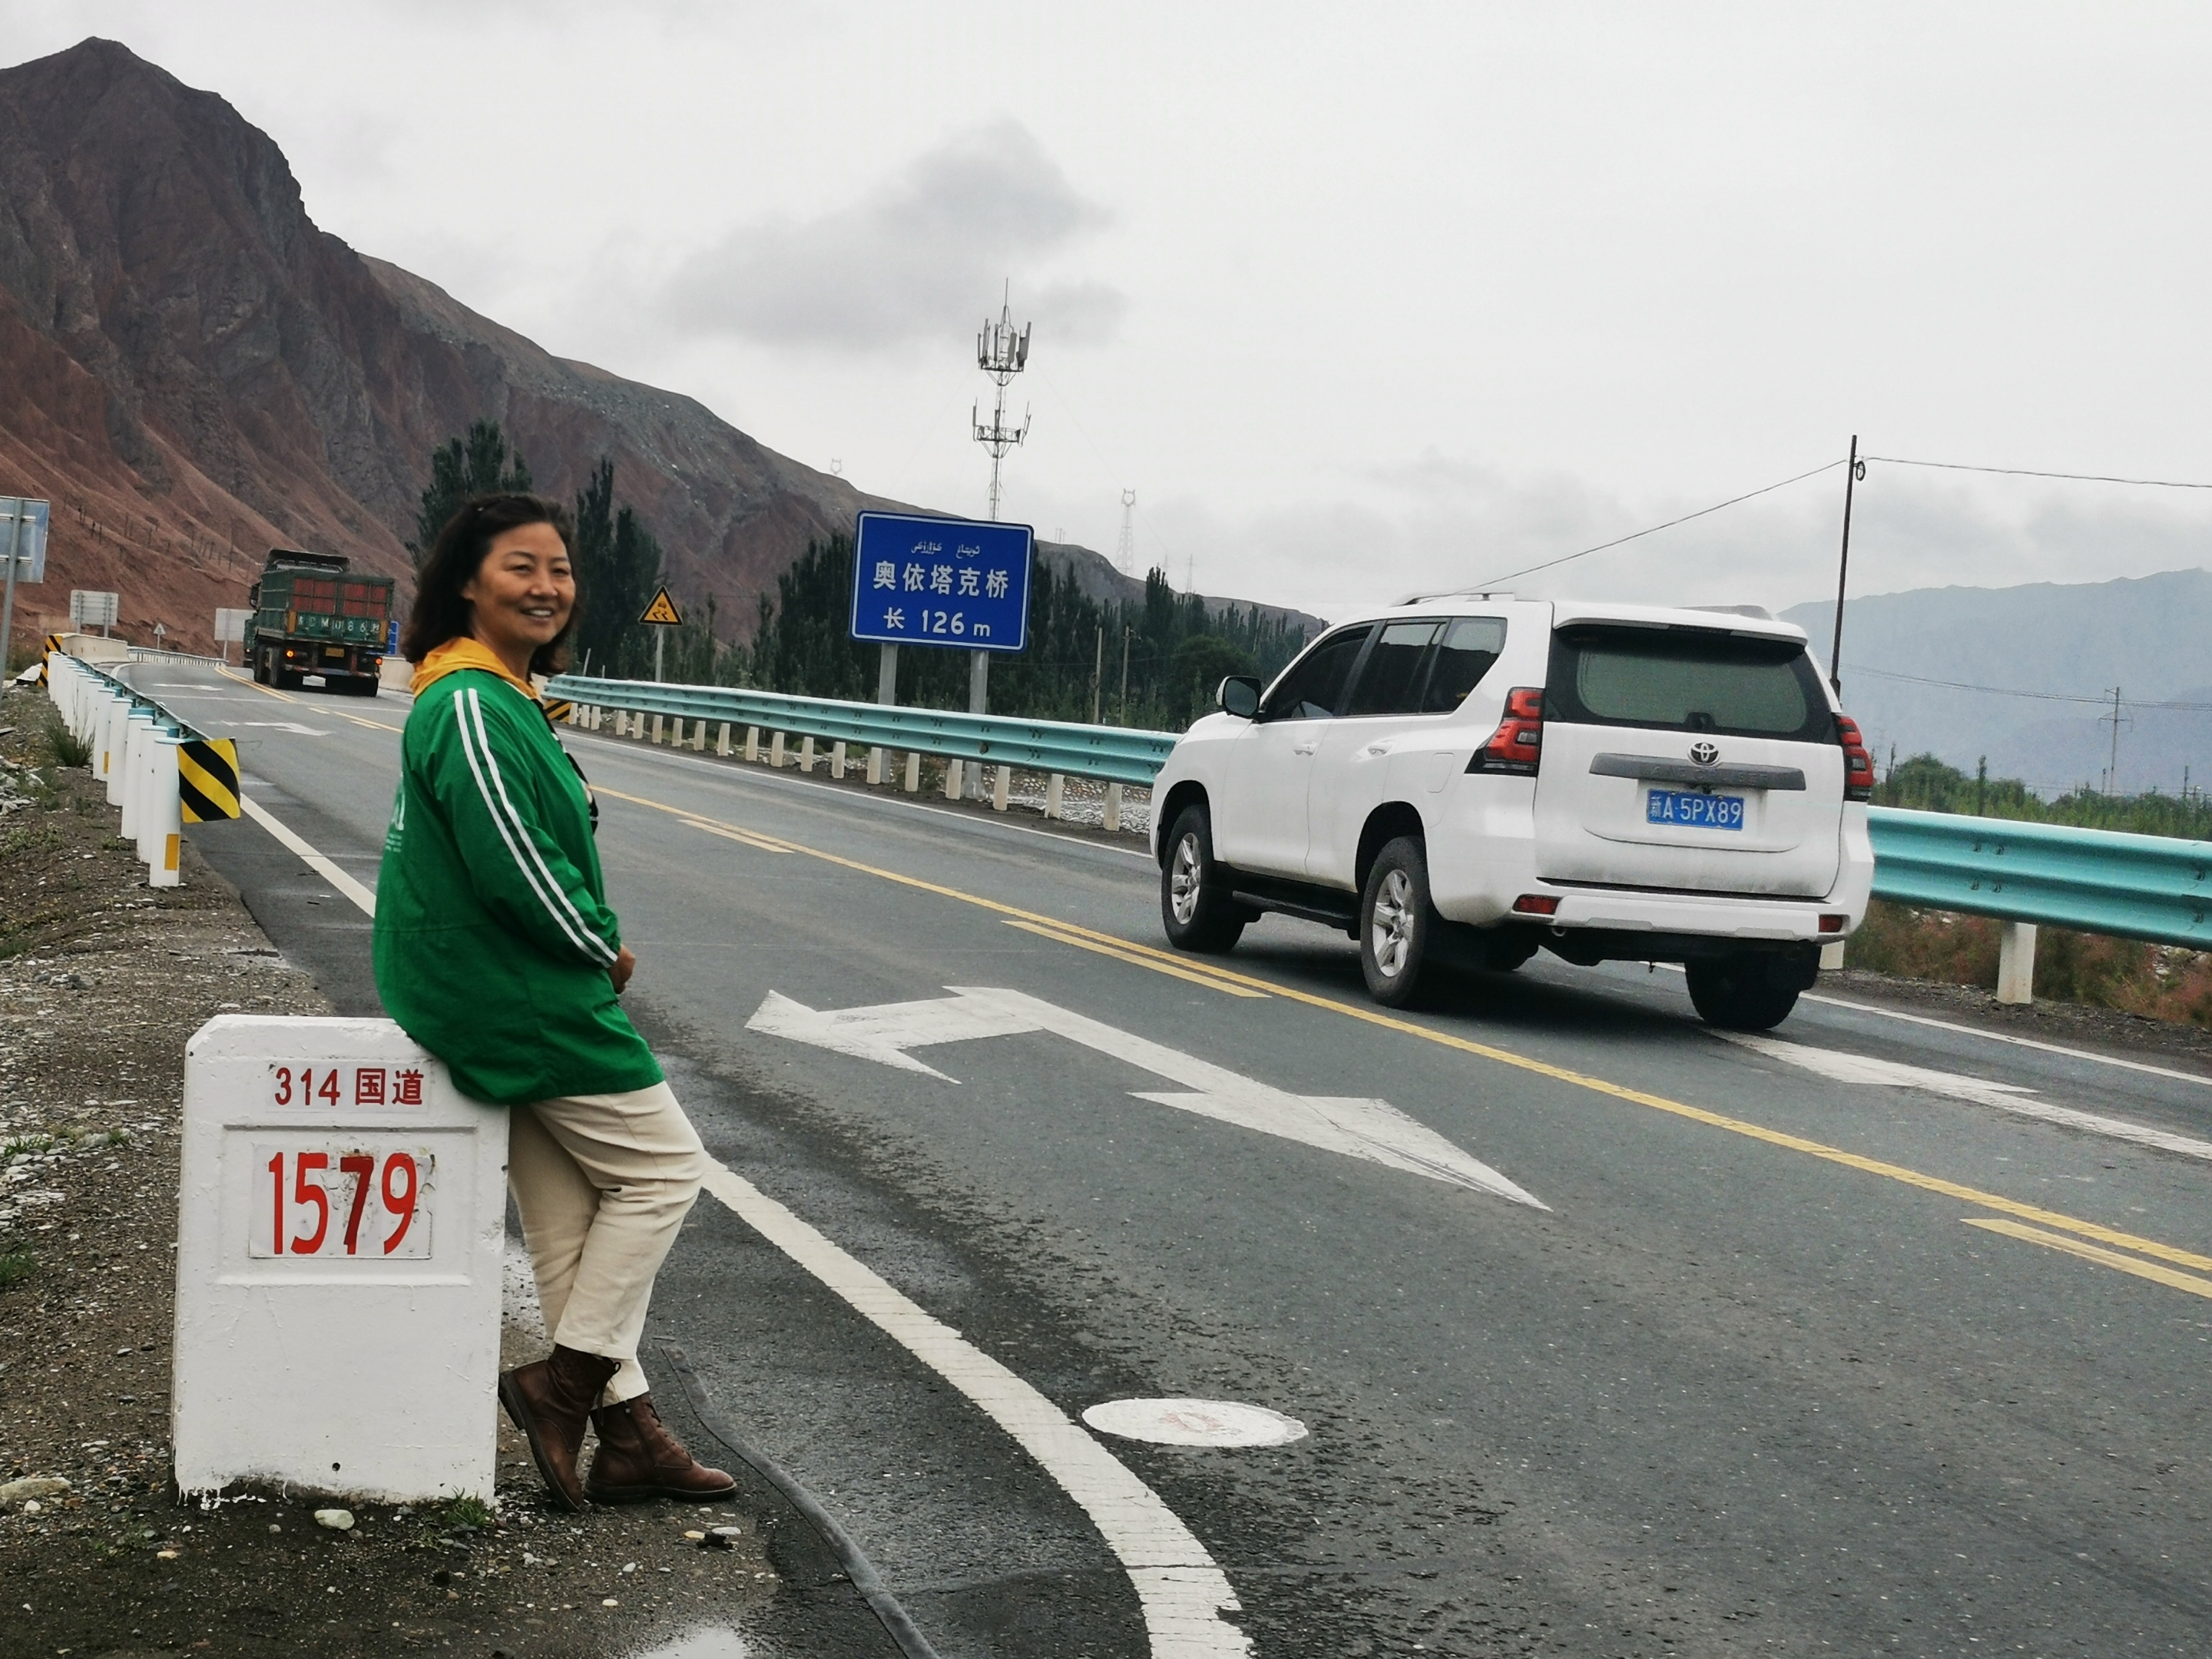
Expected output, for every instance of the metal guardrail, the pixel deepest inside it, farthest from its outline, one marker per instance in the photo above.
(1114, 753)
(2094, 881)
(161, 769)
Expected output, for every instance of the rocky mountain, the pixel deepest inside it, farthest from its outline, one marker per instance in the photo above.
(2022, 675)
(193, 372)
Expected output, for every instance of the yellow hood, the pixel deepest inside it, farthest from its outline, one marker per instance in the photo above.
(464, 652)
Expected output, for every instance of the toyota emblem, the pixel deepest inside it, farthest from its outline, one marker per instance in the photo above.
(1704, 754)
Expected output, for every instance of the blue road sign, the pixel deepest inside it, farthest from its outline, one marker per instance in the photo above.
(392, 636)
(941, 581)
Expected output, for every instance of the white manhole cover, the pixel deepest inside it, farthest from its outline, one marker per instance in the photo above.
(1195, 1423)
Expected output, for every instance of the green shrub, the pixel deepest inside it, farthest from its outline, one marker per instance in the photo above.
(68, 749)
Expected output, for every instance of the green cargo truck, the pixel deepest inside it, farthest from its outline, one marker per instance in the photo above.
(313, 616)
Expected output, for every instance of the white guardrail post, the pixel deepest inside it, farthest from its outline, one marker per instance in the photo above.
(140, 751)
(341, 1239)
(2016, 963)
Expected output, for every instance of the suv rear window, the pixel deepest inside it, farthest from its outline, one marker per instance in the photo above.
(1687, 679)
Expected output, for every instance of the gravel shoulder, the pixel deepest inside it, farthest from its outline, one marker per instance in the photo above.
(102, 982)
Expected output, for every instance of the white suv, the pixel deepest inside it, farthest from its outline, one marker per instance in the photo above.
(1462, 780)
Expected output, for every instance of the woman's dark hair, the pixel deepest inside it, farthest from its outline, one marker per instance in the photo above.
(440, 613)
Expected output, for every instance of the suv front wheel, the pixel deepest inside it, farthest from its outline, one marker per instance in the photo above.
(1754, 992)
(1196, 906)
(1396, 922)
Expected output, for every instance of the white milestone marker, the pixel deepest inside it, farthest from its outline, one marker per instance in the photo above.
(1195, 1423)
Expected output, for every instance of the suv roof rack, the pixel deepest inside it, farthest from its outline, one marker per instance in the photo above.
(1489, 595)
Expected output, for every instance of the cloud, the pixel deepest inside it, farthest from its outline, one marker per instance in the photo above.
(1434, 524)
(920, 257)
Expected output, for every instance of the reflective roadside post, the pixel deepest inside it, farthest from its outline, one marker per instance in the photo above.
(341, 1230)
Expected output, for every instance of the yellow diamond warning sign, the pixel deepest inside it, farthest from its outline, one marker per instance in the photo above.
(662, 612)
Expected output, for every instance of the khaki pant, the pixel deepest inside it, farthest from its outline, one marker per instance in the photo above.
(603, 1183)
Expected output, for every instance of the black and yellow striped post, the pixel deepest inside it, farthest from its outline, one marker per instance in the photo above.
(207, 779)
(556, 708)
(53, 649)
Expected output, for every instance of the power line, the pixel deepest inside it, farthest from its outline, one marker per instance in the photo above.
(2039, 696)
(1653, 530)
(2031, 472)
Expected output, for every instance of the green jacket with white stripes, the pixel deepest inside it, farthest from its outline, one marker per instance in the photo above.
(493, 934)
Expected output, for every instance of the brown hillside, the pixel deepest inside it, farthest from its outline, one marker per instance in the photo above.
(193, 372)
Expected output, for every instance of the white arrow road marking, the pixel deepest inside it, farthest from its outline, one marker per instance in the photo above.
(2013, 1098)
(1374, 1130)
(285, 725)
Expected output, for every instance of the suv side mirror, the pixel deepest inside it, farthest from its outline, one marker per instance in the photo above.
(1240, 695)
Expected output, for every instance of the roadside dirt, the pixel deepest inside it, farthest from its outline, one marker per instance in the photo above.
(102, 982)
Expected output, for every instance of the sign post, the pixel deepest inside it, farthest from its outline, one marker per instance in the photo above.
(26, 545)
(660, 614)
(341, 1242)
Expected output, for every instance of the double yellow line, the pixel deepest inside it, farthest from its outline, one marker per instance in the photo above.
(2027, 1222)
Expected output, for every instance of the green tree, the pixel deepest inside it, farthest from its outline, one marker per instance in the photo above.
(617, 563)
(475, 465)
(1178, 650)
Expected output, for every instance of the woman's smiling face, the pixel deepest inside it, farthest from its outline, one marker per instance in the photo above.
(523, 593)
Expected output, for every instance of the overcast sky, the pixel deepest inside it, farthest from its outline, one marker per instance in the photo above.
(1357, 300)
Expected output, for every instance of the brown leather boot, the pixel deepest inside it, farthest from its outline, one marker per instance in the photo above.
(550, 1399)
(638, 1459)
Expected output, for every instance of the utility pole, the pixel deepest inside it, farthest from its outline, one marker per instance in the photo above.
(1002, 351)
(1125, 632)
(1982, 789)
(2112, 768)
(1852, 474)
(1097, 671)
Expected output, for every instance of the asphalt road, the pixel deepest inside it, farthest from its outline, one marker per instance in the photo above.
(1756, 1381)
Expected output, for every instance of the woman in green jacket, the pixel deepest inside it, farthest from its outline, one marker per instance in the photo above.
(497, 951)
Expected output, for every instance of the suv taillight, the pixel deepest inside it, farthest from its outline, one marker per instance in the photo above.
(1517, 743)
(1858, 765)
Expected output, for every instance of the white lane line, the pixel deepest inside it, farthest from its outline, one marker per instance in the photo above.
(1180, 1588)
(1183, 1591)
(2017, 1041)
(2014, 1097)
(314, 860)
(2148, 1070)
(1374, 1130)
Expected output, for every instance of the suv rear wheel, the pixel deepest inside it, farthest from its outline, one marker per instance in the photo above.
(1196, 906)
(1396, 922)
(1754, 992)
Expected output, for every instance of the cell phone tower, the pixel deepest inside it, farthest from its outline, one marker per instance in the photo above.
(1001, 352)
(1126, 556)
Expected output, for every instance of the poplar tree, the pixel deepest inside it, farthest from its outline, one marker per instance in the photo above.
(475, 465)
